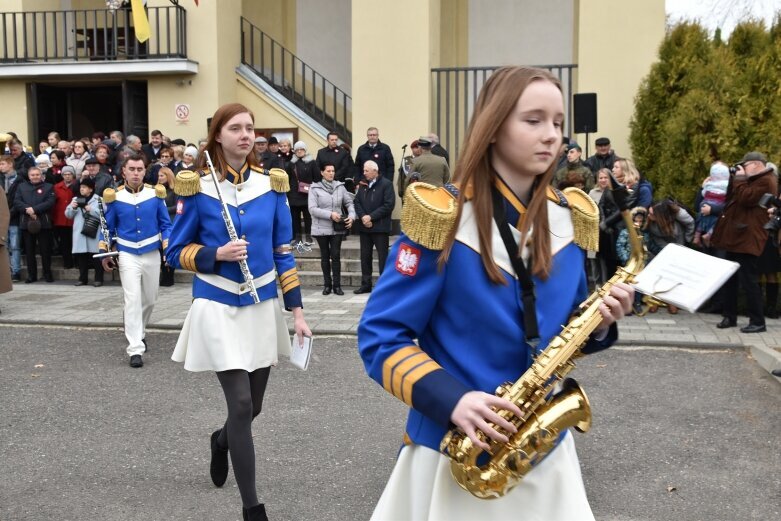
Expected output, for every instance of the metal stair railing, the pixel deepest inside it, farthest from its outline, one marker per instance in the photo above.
(296, 80)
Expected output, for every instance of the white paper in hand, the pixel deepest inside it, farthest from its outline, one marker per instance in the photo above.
(300, 354)
(684, 277)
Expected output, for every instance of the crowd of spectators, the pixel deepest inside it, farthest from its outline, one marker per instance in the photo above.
(69, 177)
(53, 196)
(724, 220)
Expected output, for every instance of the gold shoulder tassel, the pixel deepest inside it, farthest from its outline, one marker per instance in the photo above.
(428, 215)
(160, 191)
(585, 218)
(109, 195)
(187, 183)
(279, 180)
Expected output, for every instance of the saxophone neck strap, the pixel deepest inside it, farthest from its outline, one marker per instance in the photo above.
(528, 298)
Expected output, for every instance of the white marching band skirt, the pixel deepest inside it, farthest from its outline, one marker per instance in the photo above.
(218, 337)
(421, 487)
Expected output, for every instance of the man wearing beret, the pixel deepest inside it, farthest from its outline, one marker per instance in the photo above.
(604, 158)
(574, 168)
(431, 168)
(740, 231)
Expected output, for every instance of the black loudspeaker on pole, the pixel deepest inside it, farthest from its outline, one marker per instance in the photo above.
(585, 108)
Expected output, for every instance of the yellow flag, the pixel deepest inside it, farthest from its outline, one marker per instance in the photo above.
(140, 21)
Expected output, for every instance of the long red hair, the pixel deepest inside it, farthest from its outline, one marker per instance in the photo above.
(219, 120)
(474, 173)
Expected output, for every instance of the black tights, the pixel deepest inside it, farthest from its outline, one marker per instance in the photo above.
(244, 397)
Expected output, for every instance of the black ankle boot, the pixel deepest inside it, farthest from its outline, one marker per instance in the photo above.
(256, 513)
(338, 290)
(327, 290)
(219, 463)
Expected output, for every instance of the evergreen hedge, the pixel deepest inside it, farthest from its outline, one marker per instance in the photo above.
(707, 100)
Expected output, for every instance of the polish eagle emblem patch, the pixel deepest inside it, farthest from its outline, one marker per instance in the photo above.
(407, 260)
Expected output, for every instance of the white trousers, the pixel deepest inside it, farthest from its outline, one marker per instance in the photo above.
(421, 488)
(140, 275)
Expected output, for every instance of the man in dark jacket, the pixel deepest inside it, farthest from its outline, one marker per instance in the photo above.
(340, 158)
(34, 201)
(374, 204)
(437, 149)
(740, 232)
(266, 159)
(377, 151)
(153, 148)
(10, 182)
(22, 160)
(604, 158)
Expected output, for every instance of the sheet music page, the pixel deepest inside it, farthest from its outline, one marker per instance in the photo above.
(300, 354)
(684, 277)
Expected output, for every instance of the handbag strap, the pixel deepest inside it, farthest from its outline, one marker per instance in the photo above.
(530, 326)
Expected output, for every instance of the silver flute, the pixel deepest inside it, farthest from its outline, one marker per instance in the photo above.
(106, 233)
(234, 237)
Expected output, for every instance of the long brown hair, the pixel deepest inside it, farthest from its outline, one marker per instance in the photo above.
(474, 173)
(219, 120)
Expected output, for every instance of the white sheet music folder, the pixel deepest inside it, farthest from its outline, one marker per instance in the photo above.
(684, 277)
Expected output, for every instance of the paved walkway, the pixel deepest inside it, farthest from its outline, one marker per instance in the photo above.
(62, 304)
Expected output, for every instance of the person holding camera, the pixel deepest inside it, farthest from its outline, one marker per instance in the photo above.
(740, 231)
(85, 213)
(333, 213)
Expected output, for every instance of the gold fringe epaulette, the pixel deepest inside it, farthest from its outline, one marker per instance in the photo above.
(109, 195)
(279, 180)
(160, 191)
(585, 218)
(428, 215)
(187, 183)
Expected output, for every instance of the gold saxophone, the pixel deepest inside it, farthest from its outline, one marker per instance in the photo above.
(545, 415)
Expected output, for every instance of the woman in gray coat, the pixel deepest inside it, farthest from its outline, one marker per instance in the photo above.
(84, 246)
(331, 207)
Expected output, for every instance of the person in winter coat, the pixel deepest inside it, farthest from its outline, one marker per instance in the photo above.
(6, 284)
(374, 204)
(340, 158)
(378, 152)
(641, 192)
(64, 191)
(78, 158)
(84, 246)
(333, 213)
(302, 172)
(34, 201)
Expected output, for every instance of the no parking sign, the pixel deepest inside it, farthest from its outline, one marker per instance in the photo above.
(182, 112)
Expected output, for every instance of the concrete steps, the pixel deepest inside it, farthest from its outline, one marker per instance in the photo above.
(307, 264)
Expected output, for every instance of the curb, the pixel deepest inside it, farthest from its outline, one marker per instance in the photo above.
(335, 332)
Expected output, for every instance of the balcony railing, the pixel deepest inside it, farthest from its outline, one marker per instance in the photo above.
(455, 91)
(301, 84)
(90, 35)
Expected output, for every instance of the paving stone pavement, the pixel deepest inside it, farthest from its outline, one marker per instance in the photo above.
(62, 304)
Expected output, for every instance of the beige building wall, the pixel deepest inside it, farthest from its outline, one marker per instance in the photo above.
(521, 32)
(395, 98)
(14, 94)
(617, 43)
(276, 18)
(269, 114)
(217, 51)
(324, 39)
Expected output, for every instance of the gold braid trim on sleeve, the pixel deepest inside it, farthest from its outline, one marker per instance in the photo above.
(187, 183)
(585, 218)
(279, 180)
(428, 215)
